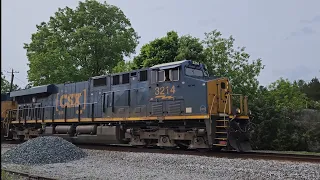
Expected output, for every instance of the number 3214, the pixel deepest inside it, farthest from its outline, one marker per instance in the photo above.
(164, 90)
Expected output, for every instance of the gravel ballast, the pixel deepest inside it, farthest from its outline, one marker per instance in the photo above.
(43, 150)
(124, 165)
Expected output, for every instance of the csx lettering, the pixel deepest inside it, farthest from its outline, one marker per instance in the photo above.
(160, 91)
(72, 100)
(69, 101)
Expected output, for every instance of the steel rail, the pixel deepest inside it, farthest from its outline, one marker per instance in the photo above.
(220, 154)
(276, 156)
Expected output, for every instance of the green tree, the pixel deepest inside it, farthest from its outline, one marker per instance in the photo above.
(168, 49)
(76, 44)
(160, 50)
(5, 85)
(190, 48)
(310, 121)
(277, 113)
(222, 59)
(312, 91)
(123, 66)
(286, 95)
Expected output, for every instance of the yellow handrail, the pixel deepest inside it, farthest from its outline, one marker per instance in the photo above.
(243, 104)
(212, 103)
(224, 111)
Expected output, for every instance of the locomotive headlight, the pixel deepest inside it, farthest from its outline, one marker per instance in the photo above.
(238, 111)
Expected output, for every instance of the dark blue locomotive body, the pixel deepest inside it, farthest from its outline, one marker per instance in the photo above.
(173, 104)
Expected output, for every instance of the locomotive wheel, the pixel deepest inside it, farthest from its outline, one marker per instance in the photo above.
(165, 139)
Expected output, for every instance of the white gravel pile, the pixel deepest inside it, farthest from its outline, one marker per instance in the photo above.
(43, 150)
(123, 165)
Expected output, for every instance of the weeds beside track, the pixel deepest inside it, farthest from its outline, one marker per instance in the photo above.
(10, 175)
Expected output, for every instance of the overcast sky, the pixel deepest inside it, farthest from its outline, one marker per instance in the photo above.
(284, 33)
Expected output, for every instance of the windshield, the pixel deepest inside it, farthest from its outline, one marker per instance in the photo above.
(194, 72)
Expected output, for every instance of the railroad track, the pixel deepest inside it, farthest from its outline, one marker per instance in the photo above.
(27, 175)
(221, 154)
(277, 156)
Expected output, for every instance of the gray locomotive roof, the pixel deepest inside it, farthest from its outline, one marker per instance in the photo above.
(169, 65)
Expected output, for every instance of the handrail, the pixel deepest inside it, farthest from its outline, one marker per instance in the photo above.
(6, 123)
(243, 104)
(33, 114)
(212, 103)
(46, 107)
(224, 111)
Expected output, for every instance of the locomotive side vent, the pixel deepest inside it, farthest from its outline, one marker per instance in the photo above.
(174, 108)
(157, 108)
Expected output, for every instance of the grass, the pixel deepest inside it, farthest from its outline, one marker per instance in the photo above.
(292, 152)
(8, 176)
(302, 152)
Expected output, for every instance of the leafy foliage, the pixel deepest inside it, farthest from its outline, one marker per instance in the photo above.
(159, 51)
(222, 59)
(286, 95)
(312, 91)
(123, 66)
(79, 43)
(5, 85)
(169, 49)
(282, 122)
(190, 48)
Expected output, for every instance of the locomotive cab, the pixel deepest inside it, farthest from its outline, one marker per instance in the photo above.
(189, 84)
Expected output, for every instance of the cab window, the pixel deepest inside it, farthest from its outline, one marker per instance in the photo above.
(193, 72)
(223, 85)
(161, 76)
(175, 74)
(168, 75)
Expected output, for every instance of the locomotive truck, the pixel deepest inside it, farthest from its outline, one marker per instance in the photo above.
(171, 105)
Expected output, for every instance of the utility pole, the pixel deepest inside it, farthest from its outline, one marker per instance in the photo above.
(12, 76)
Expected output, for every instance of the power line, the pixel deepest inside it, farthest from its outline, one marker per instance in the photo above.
(21, 81)
(12, 76)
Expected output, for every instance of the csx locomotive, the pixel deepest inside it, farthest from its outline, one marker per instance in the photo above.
(171, 105)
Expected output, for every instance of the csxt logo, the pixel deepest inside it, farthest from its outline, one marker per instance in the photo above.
(71, 101)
